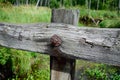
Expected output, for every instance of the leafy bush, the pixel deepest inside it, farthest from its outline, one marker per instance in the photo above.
(54, 4)
(97, 74)
(5, 4)
(4, 55)
(25, 65)
(101, 72)
(115, 77)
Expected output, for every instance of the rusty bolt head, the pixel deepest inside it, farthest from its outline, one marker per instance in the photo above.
(55, 41)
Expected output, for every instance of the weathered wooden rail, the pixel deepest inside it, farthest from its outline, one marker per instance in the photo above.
(64, 41)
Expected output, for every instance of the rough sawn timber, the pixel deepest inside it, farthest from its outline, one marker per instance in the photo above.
(63, 68)
(93, 44)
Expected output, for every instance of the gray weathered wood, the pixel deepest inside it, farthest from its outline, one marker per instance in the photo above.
(63, 68)
(93, 44)
(65, 16)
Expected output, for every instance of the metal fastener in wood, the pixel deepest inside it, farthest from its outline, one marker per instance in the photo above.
(55, 41)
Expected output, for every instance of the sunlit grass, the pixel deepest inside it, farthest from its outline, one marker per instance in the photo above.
(34, 65)
(25, 14)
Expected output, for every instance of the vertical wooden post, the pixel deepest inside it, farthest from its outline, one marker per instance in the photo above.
(63, 68)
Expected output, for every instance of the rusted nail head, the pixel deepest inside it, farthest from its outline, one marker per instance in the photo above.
(55, 41)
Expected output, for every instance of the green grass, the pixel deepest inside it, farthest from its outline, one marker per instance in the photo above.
(105, 14)
(109, 18)
(95, 71)
(100, 14)
(115, 23)
(25, 65)
(24, 14)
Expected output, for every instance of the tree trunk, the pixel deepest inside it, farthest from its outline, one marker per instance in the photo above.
(61, 3)
(103, 3)
(89, 7)
(41, 2)
(26, 2)
(17, 2)
(46, 1)
(86, 4)
(75, 2)
(98, 4)
(119, 8)
(37, 3)
(71, 3)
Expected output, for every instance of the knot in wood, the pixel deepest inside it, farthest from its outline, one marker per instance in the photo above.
(55, 41)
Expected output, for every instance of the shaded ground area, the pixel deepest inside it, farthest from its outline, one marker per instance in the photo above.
(6, 70)
(86, 70)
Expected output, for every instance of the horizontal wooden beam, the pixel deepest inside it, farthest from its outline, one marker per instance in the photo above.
(93, 44)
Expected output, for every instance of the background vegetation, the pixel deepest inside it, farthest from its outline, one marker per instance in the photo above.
(23, 65)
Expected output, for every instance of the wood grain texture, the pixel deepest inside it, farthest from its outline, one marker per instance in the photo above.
(94, 44)
(66, 16)
(62, 68)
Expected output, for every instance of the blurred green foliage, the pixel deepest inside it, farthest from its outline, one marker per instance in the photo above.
(110, 24)
(103, 4)
(4, 55)
(94, 71)
(102, 72)
(26, 65)
(24, 14)
(54, 4)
